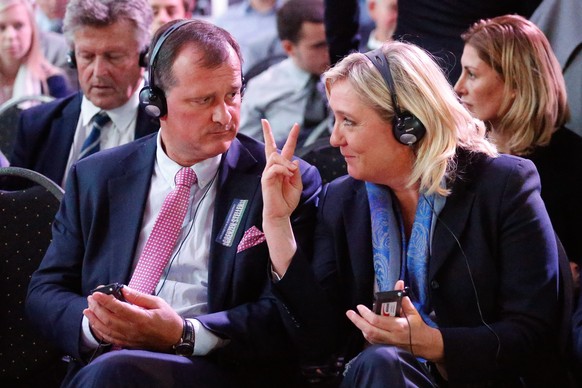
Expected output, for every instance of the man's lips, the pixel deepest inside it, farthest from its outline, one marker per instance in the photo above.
(345, 155)
(226, 132)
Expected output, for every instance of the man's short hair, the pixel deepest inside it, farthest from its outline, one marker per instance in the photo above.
(292, 15)
(101, 13)
(205, 35)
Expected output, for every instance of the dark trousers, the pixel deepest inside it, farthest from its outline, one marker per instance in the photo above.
(139, 368)
(382, 366)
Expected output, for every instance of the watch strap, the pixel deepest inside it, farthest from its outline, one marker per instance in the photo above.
(186, 345)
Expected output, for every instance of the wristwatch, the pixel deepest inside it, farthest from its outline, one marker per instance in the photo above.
(186, 345)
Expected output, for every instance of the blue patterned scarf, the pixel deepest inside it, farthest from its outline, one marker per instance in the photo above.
(391, 250)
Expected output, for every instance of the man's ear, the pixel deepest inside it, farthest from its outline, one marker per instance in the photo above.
(288, 47)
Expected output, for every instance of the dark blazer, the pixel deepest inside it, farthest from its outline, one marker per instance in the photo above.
(560, 167)
(46, 133)
(494, 223)
(577, 335)
(97, 228)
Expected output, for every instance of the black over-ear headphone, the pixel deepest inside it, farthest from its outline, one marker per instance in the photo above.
(72, 60)
(407, 128)
(151, 97)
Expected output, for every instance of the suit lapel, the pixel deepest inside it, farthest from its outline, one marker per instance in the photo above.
(61, 138)
(450, 225)
(239, 179)
(126, 211)
(359, 234)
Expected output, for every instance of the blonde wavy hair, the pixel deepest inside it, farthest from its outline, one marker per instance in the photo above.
(534, 101)
(38, 65)
(423, 90)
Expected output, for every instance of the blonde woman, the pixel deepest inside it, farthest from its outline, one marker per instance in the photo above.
(440, 212)
(23, 69)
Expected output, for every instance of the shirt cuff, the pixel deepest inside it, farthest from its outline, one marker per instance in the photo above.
(206, 340)
(275, 278)
(88, 341)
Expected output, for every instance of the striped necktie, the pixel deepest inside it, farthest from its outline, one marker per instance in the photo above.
(93, 141)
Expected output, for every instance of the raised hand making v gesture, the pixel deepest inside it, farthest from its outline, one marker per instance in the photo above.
(281, 186)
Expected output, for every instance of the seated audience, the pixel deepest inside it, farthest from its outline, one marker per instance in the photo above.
(24, 71)
(287, 92)
(429, 205)
(197, 308)
(253, 24)
(167, 10)
(512, 80)
(109, 40)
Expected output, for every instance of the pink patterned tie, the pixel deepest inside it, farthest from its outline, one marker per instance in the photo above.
(161, 242)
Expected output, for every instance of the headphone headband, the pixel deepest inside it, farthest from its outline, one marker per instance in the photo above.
(153, 58)
(406, 127)
(380, 62)
(152, 97)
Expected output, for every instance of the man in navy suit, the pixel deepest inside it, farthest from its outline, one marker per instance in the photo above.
(109, 41)
(213, 298)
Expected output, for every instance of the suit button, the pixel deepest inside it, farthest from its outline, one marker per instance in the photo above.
(434, 285)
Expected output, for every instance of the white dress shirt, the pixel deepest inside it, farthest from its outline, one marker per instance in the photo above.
(120, 130)
(279, 94)
(184, 283)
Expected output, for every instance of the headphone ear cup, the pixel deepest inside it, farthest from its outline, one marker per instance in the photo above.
(153, 101)
(71, 59)
(407, 128)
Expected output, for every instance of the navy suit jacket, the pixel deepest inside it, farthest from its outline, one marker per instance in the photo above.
(46, 133)
(97, 228)
(494, 222)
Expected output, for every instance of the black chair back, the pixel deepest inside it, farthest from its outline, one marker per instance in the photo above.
(27, 210)
(9, 114)
(327, 159)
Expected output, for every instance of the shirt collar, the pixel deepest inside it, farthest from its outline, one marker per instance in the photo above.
(297, 73)
(120, 116)
(205, 170)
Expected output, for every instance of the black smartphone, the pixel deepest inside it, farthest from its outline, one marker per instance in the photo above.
(389, 303)
(111, 289)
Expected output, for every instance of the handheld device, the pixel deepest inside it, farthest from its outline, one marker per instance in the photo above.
(111, 289)
(389, 303)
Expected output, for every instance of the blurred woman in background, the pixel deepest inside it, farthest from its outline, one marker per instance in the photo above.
(23, 69)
